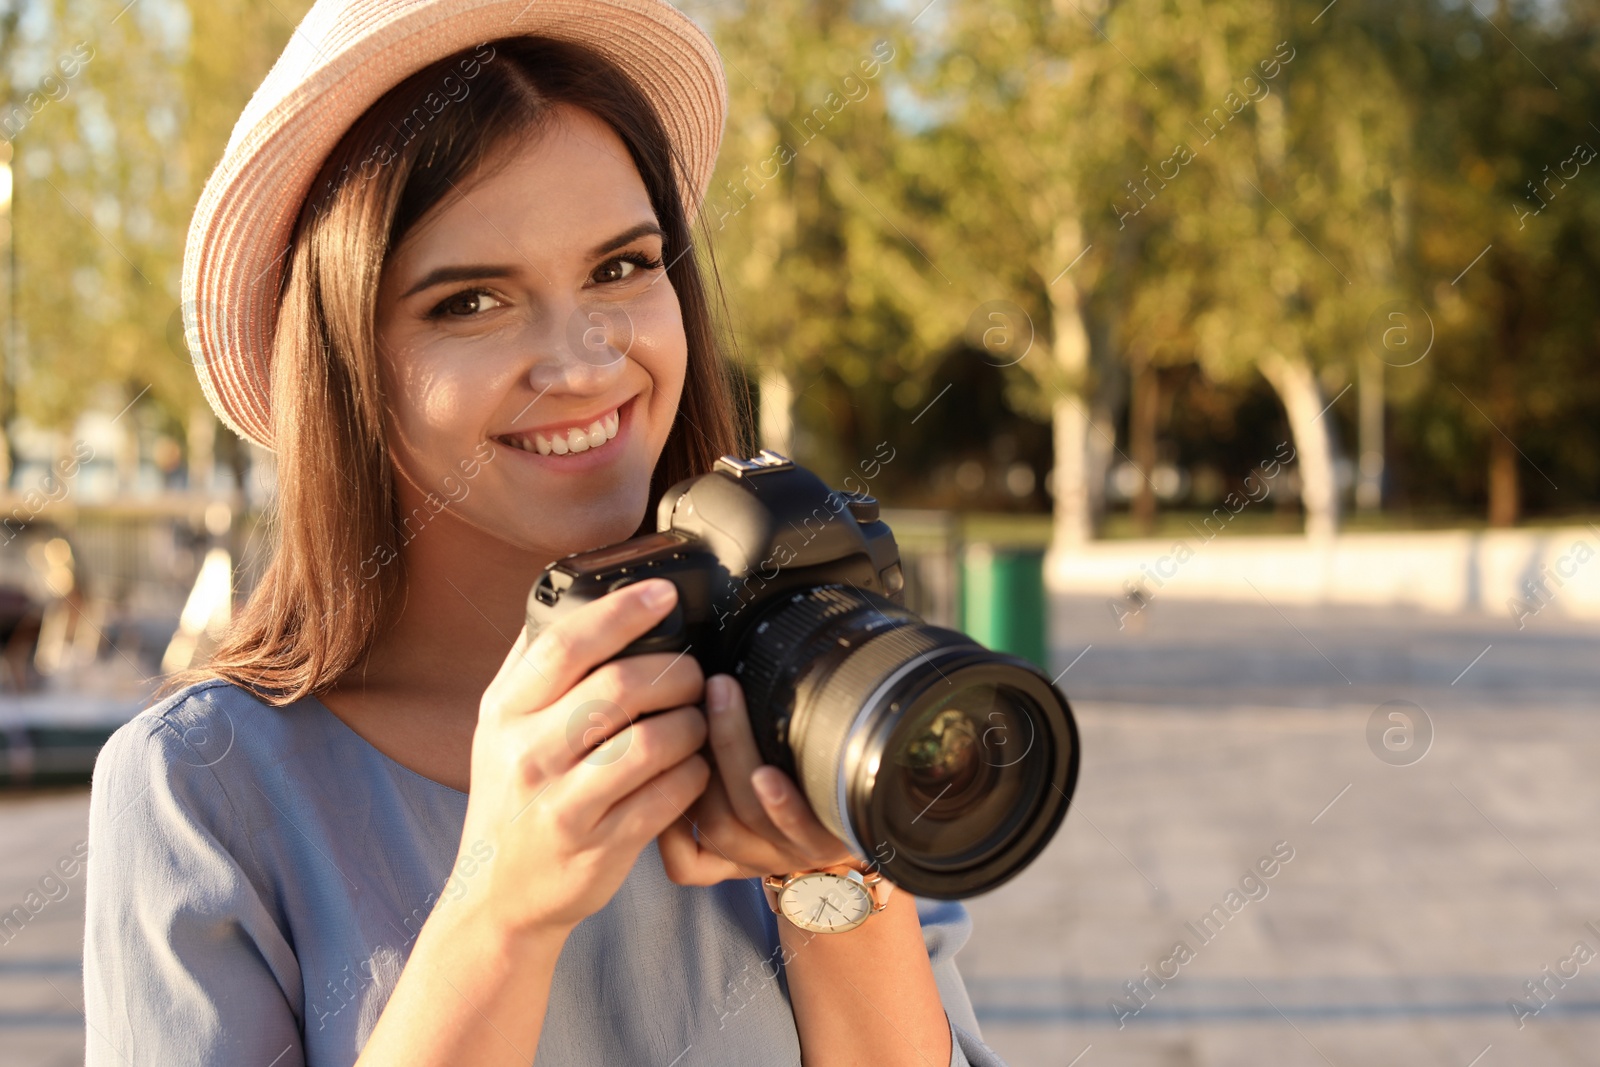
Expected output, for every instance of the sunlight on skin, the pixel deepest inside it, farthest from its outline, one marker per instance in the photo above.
(488, 352)
(469, 359)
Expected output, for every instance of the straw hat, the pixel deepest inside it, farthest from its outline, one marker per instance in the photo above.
(342, 58)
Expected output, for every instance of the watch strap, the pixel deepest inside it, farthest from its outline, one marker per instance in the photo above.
(771, 885)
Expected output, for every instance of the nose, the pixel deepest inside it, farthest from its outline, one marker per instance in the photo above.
(588, 355)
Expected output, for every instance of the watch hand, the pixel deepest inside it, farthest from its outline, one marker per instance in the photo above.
(816, 918)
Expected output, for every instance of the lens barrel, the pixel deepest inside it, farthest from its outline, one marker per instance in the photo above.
(946, 763)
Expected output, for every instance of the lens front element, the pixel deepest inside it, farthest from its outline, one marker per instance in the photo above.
(947, 793)
(947, 764)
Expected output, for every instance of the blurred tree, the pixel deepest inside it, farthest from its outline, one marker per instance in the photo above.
(1508, 249)
(10, 17)
(108, 174)
(1236, 202)
(1130, 186)
(827, 276)
(1139, 184)
(994, 166)
(1312, 251)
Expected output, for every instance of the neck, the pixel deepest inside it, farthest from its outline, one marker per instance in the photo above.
(459, 608)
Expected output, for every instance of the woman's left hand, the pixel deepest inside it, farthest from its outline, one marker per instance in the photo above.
(752, 820)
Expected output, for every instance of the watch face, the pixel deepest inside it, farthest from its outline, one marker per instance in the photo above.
(825, 903)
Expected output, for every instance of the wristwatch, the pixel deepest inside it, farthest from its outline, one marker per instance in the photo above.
(829, 900)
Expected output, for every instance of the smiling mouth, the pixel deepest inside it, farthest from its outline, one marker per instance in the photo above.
(596, 434)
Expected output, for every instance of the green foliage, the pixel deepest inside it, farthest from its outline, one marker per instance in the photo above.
(108, 172)
(1240, 179)
(1250, 178)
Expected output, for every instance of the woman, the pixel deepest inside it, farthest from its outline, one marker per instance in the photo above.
(386, 824)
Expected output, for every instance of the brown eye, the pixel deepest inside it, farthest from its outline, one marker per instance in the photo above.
(465, 304)
(623, 267)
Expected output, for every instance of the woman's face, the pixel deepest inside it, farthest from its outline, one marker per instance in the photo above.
(532, 347)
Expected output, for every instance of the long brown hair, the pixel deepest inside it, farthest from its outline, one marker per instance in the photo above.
(314, 613)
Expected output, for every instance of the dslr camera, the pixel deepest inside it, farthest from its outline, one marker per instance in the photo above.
(947, 765)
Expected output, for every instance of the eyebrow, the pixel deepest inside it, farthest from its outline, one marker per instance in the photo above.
(632, 233)
(471, 271)
(463, 273)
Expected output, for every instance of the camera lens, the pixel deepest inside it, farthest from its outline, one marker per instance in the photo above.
(948, 764)
(939, 755)
(943, 783)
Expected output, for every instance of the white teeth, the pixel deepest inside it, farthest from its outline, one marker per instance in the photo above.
(576, 439)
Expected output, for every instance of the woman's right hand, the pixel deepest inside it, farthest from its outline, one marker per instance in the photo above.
(578, 762)
(560, 820)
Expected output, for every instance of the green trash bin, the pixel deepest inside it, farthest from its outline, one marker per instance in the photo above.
(1003, 601)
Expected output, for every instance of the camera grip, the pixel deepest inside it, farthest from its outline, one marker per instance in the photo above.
(668, 635)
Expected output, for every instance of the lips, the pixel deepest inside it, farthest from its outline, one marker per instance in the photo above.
(577, 437)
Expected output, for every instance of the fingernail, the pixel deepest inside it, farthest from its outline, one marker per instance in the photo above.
(767, 787)
(716, 694)
(657, 592)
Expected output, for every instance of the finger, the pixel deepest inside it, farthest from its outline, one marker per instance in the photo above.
(537, 671)
(588, 722)
(625, 689)
(786, 806)
(719, 830)
(594, 713)
(651, 808)
(711, 845)
(733, 745)
(600, 778)
(687, 863)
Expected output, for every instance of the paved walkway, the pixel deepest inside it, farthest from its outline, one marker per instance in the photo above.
(1421, 895)
(41, 992)
(1418, 899)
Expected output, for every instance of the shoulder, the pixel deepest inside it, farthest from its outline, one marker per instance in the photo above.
(193, 752)
(188, 953)
(198, 726)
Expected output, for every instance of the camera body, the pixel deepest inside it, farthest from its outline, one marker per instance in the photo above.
(732, 541)
(947, 764)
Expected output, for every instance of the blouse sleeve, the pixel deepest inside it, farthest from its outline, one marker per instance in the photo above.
(183, 962)
(945, 928)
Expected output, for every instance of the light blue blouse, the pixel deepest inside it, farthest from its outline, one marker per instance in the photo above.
(258, 875)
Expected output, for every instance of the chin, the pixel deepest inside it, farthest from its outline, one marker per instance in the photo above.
(596, 522)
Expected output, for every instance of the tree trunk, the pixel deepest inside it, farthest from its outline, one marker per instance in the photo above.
(1505, 489)
(1142, 422)
(1110, 397)
(777, 411)
(1505, 483)
(1072, 524)
(1074, 511)
(234, 455)
(1297, 388)
(1102, 441)
(1369, 482)
(844, 422)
